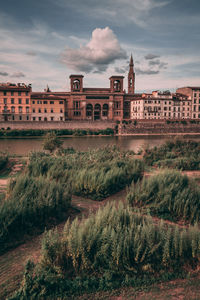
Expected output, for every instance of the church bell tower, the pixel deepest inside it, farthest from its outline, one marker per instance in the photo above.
(131, 77)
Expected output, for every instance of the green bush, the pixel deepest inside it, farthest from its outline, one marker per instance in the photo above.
(169, 195)
(179, 150)
(108, 250)
(94, 173)
(3, 160)
(31, 203)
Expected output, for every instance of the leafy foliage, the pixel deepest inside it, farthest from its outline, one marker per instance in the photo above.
(179, 154)
(94, 173)
(168, 195)
(110, 247)
(30, 203)
(51, 142)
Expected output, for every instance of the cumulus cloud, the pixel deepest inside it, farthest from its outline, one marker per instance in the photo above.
(121, 70)
(151, 56)
(146, 71)
(4, 74)
(31, 53)
(102, 50)
(18, 75)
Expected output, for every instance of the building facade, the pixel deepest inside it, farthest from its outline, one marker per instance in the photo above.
(19, 103)
(161, 106)
(15, 104)
(193, 93)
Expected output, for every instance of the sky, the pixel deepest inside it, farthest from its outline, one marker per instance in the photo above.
(43, 42)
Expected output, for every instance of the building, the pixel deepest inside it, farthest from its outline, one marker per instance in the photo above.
(161, 106)
(193, 93)
(15, 102)
(47, 107)
(19, 103)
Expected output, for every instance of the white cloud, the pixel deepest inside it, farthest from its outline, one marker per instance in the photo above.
(102, 50)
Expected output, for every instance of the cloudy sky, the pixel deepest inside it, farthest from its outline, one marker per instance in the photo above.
(43, 42)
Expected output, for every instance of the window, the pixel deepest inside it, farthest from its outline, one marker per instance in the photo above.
(33, 110)
(52, 118)
(51, 110)
(117, 104)
(60, 102)
(20, 118)
(5, 100)
(33, 101)
(39, 118)
(61, 110)
(61, 118)
(12, 93)
(19, 93)
(39, 102)
(27, 118)
(27, 101)
(39, 110)
(13, 118)
(4, 93)
(77, 113)
(19, 101)
(12, 100)
(76, 104)
(45, 110)
(13, 109)
(27, 109)
(51, 102)
(33, 118)
(20, 109)
(45, 102)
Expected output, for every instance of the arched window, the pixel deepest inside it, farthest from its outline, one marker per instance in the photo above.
(89, 109)
(97, 111)
(12, 109)
(76, 85)
(117, 85)
(105, 110)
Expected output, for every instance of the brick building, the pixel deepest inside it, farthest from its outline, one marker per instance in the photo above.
(15, 102)
(19, 103)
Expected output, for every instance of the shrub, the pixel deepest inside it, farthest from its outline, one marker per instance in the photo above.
(169, 195)
(107, 250)
(3, 160)
(31, 203)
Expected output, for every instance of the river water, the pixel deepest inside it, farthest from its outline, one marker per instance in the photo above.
(22, 146)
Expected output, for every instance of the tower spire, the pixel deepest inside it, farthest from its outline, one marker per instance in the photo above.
(131, 77)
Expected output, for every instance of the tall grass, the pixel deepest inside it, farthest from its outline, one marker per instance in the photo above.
(169, 194)
(180, 154)
(94, 173)
(115, 243)
(30, 204)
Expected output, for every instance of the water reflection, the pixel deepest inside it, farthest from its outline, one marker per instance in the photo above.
(24, 146)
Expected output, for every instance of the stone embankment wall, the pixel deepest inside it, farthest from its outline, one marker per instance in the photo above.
(155, 127)
(92, 125)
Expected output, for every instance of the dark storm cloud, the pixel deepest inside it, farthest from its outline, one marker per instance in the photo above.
(4, 74)
(151, 56)
(146, 72)
(121, 70)
(18, 75)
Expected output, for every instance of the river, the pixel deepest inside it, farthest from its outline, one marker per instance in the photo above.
(22, 146)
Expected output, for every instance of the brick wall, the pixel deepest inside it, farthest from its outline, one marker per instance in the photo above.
(58, 125)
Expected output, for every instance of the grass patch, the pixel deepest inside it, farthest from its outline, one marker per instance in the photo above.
(168, 195)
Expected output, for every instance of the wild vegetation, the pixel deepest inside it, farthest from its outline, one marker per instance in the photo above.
(40, 132)
(3, 161)
(109, 249)
(168, 195)
(94, 173)
(179, 154)
(31, 203)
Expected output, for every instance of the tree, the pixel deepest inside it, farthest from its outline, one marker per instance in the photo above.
(51, 142)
